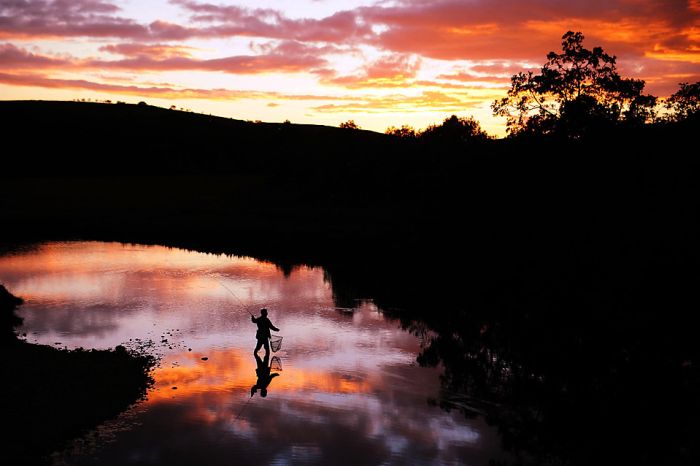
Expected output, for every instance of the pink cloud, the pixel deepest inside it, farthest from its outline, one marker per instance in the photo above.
(12, 57)
(242, 64)
(165, 91)
(148, 50)
(284, 58)
(36, 80)
(92, 18)
(89, 18)
(340, 27)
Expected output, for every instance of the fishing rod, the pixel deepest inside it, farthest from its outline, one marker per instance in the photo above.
(234, 295)
(243, 408)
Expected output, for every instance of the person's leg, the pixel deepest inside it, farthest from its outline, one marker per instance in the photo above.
(266, 345)
(258, 346)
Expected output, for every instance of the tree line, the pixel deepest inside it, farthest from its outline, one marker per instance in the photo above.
(577, 93)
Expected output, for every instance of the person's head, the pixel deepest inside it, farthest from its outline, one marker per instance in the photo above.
(263, 312)
(263, 392)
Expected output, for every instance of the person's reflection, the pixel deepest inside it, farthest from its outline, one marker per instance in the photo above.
(264, 376)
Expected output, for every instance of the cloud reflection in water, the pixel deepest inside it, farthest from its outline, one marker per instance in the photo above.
(349, 391)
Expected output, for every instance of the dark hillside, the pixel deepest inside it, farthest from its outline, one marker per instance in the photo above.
(94, 138)
(138, 172)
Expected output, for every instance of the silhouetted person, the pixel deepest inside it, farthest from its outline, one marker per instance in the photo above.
(263, 333)
(264, 376)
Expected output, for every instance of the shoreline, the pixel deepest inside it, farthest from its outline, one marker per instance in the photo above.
(54, 395)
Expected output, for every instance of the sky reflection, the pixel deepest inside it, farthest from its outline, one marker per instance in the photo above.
(349, 390)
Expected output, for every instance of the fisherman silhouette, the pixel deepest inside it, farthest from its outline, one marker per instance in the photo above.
(263, 333)
(264, 376)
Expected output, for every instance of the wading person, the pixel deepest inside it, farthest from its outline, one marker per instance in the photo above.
(263, 333)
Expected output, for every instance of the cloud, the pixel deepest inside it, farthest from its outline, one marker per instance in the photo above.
(400, 71)
(488, 72)
(442, 29)
(37, 80)
(83, 18)
(398, 103)
(98, 19)
(157, 51)
(466, 76)
(283, 58)
(168, 91)
(340, 27)
(241, 64)
(498, 68)
(513, 29)
(662, 77)
(12, 57)
(65, 18)
(474, 84)
(395, 70)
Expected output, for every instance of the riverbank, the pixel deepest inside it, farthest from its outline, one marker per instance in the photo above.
(52, 396)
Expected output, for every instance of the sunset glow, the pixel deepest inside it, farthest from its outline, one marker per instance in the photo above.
(378, 62)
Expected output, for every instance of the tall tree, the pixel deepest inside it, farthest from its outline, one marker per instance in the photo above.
(577, 91)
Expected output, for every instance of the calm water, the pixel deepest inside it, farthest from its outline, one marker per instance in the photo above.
(348, 391)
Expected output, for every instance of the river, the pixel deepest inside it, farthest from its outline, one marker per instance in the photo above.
(348, 389)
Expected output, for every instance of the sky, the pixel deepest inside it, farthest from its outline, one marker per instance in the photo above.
(380, 63)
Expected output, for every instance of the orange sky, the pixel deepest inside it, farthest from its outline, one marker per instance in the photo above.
(380, 63)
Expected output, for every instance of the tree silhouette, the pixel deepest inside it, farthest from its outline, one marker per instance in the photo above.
(350, 124)
(406, 132)
(455, 130)
(577, 91)
(685, 102)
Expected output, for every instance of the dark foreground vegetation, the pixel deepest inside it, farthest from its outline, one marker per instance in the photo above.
(554, 274)
(51, 396)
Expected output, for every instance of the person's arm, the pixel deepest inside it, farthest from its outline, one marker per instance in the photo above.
(252, 317)
(274, 328)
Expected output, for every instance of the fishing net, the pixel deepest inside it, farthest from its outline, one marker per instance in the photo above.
(275, 343)
(276, 364)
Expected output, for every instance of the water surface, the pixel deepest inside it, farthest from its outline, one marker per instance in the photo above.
(348, 391)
